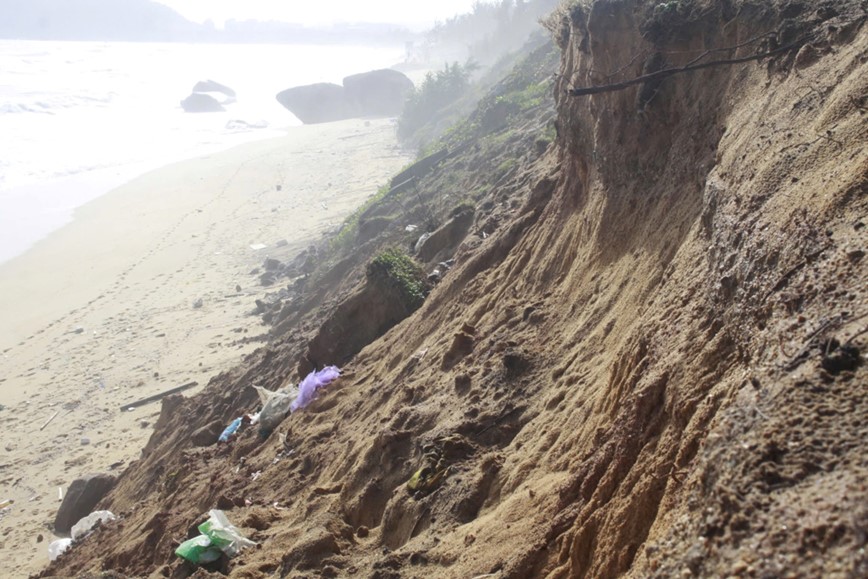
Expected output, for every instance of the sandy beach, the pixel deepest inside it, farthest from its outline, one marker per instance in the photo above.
(107, 310)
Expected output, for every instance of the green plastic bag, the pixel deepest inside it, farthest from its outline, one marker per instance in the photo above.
(198, 550)
(218, 536)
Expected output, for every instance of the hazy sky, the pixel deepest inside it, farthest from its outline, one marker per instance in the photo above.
(319, 11)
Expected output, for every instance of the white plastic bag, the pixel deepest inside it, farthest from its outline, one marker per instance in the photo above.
(223, 534)
(275, 406)
(86, 525)
(56, 548)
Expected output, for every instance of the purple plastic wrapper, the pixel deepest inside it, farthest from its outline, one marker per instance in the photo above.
(313, 382)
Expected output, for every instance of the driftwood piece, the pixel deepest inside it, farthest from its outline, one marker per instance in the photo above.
(159, 396)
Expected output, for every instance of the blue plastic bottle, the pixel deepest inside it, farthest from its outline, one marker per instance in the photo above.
(230, 430)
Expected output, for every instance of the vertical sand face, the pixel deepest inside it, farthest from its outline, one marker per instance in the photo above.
(102, 312)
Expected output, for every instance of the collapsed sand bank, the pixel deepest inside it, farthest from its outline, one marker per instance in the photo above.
(102, 313)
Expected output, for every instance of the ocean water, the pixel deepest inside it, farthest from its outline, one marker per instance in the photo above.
(80, 118)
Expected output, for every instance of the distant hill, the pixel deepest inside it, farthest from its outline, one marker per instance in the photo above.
(144, 20)
(135, 20)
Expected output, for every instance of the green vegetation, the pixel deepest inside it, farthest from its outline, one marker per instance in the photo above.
(395, 271)
(438, 91)
(346, 237)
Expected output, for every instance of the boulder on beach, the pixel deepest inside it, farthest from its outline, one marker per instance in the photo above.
(213, 86)
(201, 103)
(82, 496)
(378, 92)
(317, 103)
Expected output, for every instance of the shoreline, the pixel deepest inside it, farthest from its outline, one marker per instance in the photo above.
(49, 205)
(106, 310)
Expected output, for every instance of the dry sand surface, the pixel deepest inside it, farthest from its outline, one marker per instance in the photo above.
(102, 313)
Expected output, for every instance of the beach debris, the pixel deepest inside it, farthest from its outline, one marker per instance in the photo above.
(218, 536)
(81, 497)
(85, 526)
(257, 246)
(59, 493)
(281, 243)
(40, 538)
(230, 430)
(158, 397)
(198, 304)
(411, 228)
(47, 422)
(57, 548)
(275, 406)
(313, 382)
(6, 504)
(420, 242)
(85, 441)
(237, 288)
(78, 330)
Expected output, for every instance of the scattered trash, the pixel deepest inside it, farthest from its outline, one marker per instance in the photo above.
(218, 536)
(198, 304)
(422, 239)
(2, 407)
(313, 382)
(84, 527)
(59, 493)
(411, 228)
(426, 479)
(47, 422)
(230, 430)
(275, 405)
(56, 548)
(258, 246)
(6, 504)
(85, 441)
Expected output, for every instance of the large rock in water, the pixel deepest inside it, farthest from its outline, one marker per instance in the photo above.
(80, 499)
(379, 92)
(317, 103)
(213, 86)
(201, 103)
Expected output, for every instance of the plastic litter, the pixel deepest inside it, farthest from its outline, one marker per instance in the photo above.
(218, 536)
(198, 550)
(6, 503)
(313, 382)
(275, 406)
(230, 430)
(420, 242)
(86, 525)
(56, 548)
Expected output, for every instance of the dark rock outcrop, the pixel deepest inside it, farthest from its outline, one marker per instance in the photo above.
(213, 86)
(317, 103)
(445, 240)
(80, 499)
(201, 103)
(378, 92)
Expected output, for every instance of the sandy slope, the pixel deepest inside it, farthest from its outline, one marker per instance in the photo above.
(101, 313)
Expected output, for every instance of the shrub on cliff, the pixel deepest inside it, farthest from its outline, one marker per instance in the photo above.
(395, 272)
(438, 90)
